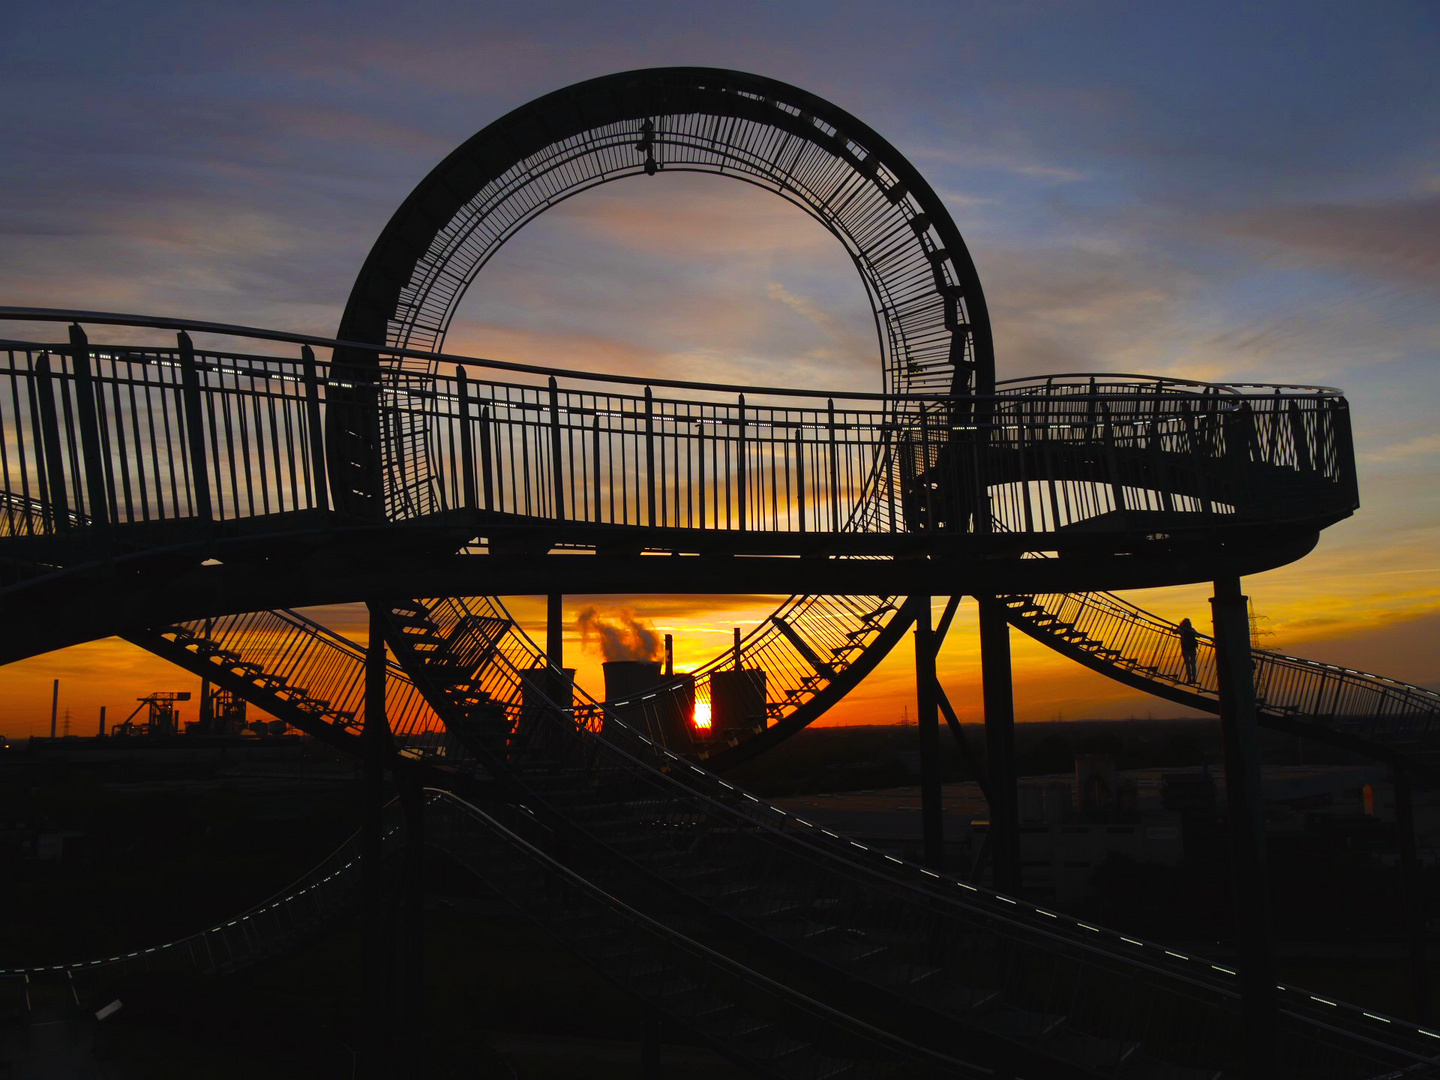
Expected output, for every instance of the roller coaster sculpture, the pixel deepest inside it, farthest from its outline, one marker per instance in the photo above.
(215, 483)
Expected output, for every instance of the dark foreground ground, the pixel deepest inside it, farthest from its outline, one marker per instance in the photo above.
(135, 861)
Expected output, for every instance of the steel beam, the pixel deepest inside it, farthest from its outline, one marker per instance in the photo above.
(1003, 833)
(97, 483)
(1245, 799)
(376, 951)
(928, 717)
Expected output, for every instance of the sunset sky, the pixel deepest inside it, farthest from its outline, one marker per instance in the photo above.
(1216, 191)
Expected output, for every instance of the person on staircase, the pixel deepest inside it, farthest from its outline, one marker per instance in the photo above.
(1189, 649)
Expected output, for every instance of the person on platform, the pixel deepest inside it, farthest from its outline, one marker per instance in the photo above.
(1189, 649)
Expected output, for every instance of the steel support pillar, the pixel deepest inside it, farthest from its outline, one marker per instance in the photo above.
(928, 717)
(555, 630)
(1245, 801)
(1003, 835)
(1410, 895)
(376, 951)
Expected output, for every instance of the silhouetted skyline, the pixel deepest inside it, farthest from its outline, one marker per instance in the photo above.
(1222, 193)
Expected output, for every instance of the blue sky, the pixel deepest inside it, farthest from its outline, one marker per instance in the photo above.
(1222, 191)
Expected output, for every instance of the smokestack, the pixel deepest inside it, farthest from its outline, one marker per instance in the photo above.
(669, 655)
(54, 707)
(737, 648)
(627, 680)
(102, 721)
(555, 630)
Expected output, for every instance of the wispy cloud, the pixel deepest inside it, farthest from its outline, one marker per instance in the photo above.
(1397, 238)
(1420, 446)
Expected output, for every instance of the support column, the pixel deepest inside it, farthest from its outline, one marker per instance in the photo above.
(376, 951)
(1410, 894)
(555, 631)
(1004, 832)
(557, 688)
(928, 717)
(1245, 801)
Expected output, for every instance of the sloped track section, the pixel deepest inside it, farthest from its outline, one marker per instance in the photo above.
(301, 911)
(297, 671)
(766, 1026)
(1349, 708)
(1005, 982)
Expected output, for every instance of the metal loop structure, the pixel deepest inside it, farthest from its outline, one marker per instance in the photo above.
(930, 315)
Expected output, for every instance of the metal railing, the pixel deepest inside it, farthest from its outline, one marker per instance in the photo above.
(1127, 637)
(127, 435)
(293, 660)
(266, 929)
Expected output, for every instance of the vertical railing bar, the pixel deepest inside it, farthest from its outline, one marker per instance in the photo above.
(242, 417)
(320, 498)
(700, 442)
(70, 448)
(24, 464)
(164, 392)
(265, 409)
(194, 427)
(529, 477)
(741, 467)
(125, 457)
(296, 464)
(107, 458)
(776, 445)
(834, 466)
(50, 442)
(557, 466)
(650, 456)
(800, 471)
(487, 460)
(467, 447)
(599, 512)
(229, 450)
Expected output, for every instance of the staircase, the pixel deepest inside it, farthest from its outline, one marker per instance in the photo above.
(296, 671)
(966, 973)
(1127, 643)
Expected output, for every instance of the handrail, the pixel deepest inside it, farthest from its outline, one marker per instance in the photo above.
(1287, 686)
(109, 318)
(226, 437)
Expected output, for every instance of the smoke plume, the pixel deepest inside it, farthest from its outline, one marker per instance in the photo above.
(618, 635)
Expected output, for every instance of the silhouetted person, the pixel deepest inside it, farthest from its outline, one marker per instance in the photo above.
(1189, 649)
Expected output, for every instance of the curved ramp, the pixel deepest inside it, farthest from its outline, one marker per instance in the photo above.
(1004, 982)
(1383, 717)
(304, 908)
(769, 1027)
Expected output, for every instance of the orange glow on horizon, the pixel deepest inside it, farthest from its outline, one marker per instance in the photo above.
(1390, 633)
